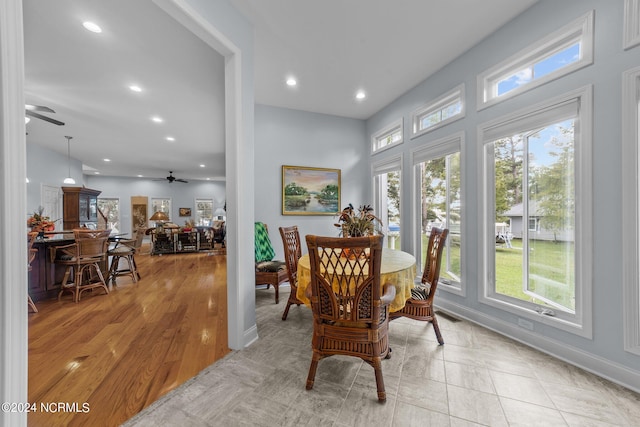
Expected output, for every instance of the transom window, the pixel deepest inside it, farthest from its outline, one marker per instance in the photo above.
(389, 136)
(562, 52)
(445, 109)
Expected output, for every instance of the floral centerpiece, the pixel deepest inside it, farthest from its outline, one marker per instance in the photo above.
(360, 223)
(39, 222)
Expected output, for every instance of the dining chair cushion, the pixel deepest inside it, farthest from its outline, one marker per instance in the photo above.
(270, 266)
(263, 248)
(66, 257)
(120, 250)
(420, 292)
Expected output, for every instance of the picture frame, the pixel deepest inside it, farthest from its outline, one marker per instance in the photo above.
(310, 190)
(184, 211)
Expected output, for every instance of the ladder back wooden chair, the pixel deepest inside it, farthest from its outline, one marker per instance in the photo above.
(269, 272)
(420, 305)
(292, 253)
(83, 258)
(350, 310)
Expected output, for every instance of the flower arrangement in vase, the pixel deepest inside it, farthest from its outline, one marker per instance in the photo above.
(39, 222)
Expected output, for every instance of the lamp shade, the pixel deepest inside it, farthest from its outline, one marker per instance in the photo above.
(159, 216)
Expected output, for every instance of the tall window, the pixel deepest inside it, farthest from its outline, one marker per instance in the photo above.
(533, 162)
(558, 54)
(387, 184)
(162, 205)
(204, 212)
(437, 169)
(109, 211)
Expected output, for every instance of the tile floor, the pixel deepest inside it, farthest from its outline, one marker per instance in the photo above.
(478, 378)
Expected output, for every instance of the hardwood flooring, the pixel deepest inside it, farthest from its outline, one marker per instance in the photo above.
(109, 356)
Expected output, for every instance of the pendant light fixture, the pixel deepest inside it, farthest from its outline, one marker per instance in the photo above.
(68, 179)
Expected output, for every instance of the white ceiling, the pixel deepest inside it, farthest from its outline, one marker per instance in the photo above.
(332, 47)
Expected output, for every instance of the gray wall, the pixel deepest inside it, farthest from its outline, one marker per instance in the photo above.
(605, 352)
(298, 138)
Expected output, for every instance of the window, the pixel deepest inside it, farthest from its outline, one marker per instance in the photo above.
(387, 192)
(562, 52)
(110, 212)
(631, 23)
(163, 205)
(631, 208)
(204, 212)
(447, 108)
(537, 162)
(389, 136)
(438, 174)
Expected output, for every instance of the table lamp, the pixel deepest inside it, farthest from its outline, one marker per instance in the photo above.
(159, 217)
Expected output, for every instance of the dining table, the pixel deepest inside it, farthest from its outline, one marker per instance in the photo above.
(397, 267)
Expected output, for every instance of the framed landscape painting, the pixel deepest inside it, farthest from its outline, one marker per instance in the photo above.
(310, 191)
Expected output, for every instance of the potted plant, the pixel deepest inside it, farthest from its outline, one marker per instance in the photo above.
(360, 223)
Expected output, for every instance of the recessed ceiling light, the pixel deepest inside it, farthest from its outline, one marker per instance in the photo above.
(157, 119)
(361, 95)
(291, 81)
(170, 138)
(135, 88)
(208, 179)
(107, 160)
(96, 173)
(27, 120)
(92, 26)
(140, 176)
(201, 166)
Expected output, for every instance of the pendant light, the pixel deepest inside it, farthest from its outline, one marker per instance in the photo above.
(68, 179)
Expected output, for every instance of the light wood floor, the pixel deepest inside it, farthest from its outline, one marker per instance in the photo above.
(120, 352)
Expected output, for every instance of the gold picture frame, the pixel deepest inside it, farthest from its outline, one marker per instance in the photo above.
(310, 191)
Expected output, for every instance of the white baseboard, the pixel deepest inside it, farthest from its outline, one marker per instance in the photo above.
(595, 364)
(250, 335)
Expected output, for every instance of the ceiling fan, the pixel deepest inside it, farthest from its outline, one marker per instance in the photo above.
(35, 110)
(171, 178)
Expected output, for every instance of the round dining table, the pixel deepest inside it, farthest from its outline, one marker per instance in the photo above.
(398, 268)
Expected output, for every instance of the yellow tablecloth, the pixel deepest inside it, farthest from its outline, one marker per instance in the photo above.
(397, 267)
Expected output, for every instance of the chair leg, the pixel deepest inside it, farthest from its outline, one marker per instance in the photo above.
(377, 367)
(63, 286)
(286, 310)
(436, 329)
(32, 304)
(312, 370)
(277, 288)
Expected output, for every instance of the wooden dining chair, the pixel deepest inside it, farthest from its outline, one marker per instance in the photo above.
(350, 311)
(125, 249)
(292, 253)
(420, 305)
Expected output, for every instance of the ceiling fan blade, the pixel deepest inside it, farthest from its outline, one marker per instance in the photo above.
(181, 180)
(40, 108)
(45, 118)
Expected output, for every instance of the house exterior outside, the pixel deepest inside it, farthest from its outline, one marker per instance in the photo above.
(534, 224)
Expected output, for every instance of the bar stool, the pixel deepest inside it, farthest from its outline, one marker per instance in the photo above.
(31, 254)
(83, 258)
(125, 249)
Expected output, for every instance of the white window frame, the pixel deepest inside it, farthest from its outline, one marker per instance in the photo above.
(631, 208)
(631, 29)
(196, 217)
(579, 323)
(378, 137)
(391, 164)
(435, 149)
(580, 30)
(438, 104)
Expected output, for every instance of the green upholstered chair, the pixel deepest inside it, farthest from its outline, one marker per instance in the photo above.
(269, 272)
